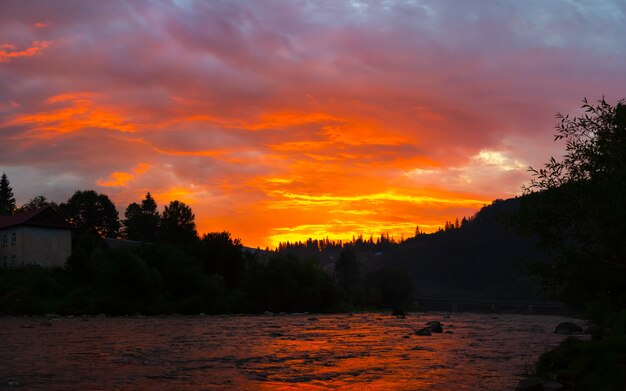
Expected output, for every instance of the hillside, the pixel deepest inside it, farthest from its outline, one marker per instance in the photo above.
(483, 257)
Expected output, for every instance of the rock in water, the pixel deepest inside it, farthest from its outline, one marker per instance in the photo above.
(424, 331)
(435, 326)
(568, 328)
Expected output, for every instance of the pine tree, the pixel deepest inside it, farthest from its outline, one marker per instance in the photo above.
(7, 201)
(142, 221)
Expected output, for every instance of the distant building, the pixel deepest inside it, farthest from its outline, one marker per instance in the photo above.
(114, 243)
(38, 237)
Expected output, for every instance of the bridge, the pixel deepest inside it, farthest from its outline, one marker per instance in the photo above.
(490, 305)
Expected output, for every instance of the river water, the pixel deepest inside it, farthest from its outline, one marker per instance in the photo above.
(287, 352)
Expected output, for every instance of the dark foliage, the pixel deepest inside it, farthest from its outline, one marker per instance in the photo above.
(347, 269)
(389, 288)
(178, 224)
(578, 208)
(142, 220)
(91, 213)
(288, 284)
(587, 365)
(37, 202)
(219, 253)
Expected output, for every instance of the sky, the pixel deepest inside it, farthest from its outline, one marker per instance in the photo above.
(284, 120)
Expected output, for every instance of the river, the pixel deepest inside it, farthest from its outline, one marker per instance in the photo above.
(287, 352)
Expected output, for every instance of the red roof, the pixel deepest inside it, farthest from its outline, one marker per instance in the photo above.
(42, 217)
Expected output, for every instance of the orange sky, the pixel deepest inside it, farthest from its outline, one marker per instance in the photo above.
(281, 120)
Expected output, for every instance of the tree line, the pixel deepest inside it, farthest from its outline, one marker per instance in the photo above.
(164, 266)
(93, 213)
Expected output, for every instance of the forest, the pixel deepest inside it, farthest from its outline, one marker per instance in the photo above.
(159, 264)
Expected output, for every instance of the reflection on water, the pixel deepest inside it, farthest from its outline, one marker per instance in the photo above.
(303, 352)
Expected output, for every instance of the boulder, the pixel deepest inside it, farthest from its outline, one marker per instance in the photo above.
(537, 384)
(435, 326)
(530, 384)
(551, 385)
(423, 331)
(596, 332)
(268, 313)
(568, 328)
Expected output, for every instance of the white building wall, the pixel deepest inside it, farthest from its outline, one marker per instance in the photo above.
(48, 247)
(8, 252)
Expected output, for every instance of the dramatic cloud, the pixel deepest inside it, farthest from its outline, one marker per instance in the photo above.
(283, 120)
(8, 51)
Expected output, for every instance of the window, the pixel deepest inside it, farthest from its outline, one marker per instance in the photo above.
(13, 261)
(13, 239)
(4, 240)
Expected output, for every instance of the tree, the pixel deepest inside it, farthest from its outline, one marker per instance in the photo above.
(37, 202)
(142, 220)
(390, 288)
(178, 224)
(347, 269)
(595, 147)
(7, 201)
(221, 254)
(132, 222)
(92, 213)
(576, 207)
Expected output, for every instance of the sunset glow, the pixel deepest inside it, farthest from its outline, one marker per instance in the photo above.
(284, 120)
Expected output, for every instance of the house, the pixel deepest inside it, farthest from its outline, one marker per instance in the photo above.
(39, 237)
